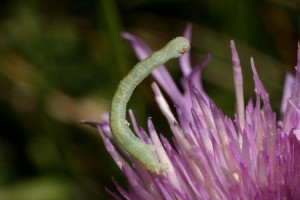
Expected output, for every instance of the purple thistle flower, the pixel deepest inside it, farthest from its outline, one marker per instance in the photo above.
(253, 156)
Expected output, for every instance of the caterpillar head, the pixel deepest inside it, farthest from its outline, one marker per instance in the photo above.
(178, 46)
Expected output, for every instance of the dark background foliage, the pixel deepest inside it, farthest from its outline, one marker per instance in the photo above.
(60, 62)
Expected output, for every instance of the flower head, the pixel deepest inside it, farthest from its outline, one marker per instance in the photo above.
(212, 156)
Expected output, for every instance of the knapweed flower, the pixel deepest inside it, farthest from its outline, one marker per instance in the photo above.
(253, 156)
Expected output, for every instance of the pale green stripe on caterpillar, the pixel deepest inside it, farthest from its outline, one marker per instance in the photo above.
(145, 153)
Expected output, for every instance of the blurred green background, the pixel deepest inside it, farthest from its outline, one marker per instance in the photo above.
(60, 62)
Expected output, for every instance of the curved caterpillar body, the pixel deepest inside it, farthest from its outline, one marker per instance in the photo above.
(143, 152)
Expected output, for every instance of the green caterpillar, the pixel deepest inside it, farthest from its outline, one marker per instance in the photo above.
(145, 153)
